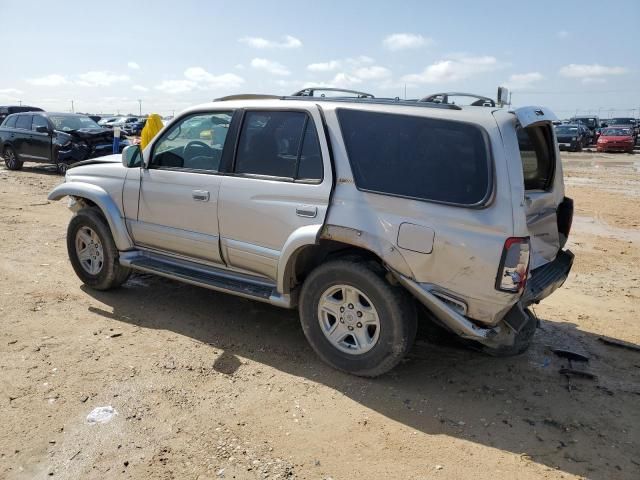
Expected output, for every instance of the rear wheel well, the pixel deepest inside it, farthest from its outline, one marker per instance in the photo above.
(307, 258)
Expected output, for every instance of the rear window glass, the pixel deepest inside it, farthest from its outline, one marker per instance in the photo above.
(417, 157)
(537, 153)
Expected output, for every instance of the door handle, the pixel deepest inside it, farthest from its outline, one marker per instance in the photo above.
(200, 195)
(308, 211)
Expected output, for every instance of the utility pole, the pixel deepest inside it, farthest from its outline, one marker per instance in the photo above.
(20, 102)
(405, 91)
(140, 105)
(72, 108)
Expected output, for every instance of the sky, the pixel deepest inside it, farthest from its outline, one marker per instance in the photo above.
(571, 56)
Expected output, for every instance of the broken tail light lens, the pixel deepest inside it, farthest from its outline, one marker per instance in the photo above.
(514, 265)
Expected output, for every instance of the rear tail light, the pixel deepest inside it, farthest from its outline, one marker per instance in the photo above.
(514, 265)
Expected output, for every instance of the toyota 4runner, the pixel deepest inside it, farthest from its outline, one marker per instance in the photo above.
(366, 214)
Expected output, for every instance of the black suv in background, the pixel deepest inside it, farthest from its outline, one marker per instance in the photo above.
(572, 137)
(592, 123)
(58, 138)
(6, 110)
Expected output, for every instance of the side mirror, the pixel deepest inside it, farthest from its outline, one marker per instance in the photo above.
(42, 129)
(132, 156)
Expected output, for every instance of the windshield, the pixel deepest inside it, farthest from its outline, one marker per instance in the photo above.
(621, 121)
(589, 122)
(616, 132)
(67, 123)
(566, 130)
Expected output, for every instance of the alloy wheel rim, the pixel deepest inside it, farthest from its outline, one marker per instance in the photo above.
(10, 157)
(348, 319)
(89, 250)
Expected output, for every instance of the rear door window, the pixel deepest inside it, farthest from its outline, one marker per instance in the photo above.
(24, 121)
(537, 153)
(39, 121)
(11, 121)
(279, 144)
(417, 157)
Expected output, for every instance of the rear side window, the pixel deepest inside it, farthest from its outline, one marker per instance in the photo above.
(279, 144)
(417, 157)
(24, 121)
(10, 122)
(537, 153)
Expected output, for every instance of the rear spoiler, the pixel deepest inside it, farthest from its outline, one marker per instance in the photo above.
(528, 116)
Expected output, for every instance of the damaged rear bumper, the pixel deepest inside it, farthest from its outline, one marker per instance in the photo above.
(543, 281)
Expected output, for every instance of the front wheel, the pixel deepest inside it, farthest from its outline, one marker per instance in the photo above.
(11, 159)
(355, 320)
(93, 252)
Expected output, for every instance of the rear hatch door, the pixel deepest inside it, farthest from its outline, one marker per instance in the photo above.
(543, 181)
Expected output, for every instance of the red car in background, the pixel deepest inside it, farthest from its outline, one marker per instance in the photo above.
(616, 139)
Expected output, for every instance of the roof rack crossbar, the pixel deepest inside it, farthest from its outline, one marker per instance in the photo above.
(377, 101)
(481, 101)
(309, 91)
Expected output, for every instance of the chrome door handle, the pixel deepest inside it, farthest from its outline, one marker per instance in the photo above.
(200, 195)
(308, 211)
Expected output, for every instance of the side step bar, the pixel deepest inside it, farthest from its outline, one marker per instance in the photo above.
(217, 279)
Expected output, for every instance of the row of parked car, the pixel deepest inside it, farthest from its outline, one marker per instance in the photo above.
(29, 134)
(613, 134)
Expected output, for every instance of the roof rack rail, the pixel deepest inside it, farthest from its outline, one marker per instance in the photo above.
(247, 96)
(376, 101)
(443, 99)
(309, 92)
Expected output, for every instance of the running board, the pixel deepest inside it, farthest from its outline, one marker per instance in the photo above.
(212, 278)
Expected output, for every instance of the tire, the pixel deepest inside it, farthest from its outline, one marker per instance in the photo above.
(61, 168)
(11, 159)
(392, 306)
(103, 270)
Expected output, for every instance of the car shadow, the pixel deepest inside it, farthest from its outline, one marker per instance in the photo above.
(40, 168)
(521, 404)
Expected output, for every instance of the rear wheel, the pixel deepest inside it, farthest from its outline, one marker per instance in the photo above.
(11, 159)
(355, 320)
(93, 252)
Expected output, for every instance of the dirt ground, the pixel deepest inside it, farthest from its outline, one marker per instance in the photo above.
(208, 386)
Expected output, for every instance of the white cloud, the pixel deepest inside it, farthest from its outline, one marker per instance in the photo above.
(453, 70)
(140, 88)
(358, 61)
(199, 78)
(52, 80)
(594, 70)
(523, 80)
(344, 80)
(270, 66)
(374, 72)
(562, 34)
(209, 80)
(402, 41)
(592, 80)
(259, 42)
(100, 79)
(133, 65)
(10, 91)
(329, 66)
(176, 86)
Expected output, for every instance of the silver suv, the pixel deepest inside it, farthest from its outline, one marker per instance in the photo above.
(366, 214)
